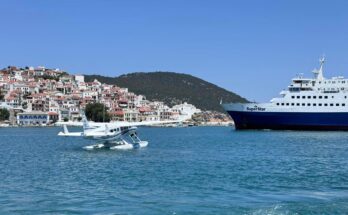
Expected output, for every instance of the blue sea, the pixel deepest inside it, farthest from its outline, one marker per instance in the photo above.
(198, 170)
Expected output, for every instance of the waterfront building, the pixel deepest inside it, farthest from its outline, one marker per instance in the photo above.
(32, 118)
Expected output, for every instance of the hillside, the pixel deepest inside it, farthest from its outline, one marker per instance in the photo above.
(173, 88)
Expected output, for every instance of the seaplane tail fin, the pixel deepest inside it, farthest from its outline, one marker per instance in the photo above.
(65, 129)
(66, 133)
(85, 121)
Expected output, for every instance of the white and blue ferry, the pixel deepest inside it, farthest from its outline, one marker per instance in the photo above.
(308, 104)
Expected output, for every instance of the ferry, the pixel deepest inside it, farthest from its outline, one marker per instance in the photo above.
(314, 103)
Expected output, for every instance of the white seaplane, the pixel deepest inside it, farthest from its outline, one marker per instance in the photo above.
(113, 135)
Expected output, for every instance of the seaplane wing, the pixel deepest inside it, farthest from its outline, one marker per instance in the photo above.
(144, 123)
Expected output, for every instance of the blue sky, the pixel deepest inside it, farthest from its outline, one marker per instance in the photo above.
(252, 48)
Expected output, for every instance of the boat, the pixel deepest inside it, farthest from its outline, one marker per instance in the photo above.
(314, 103)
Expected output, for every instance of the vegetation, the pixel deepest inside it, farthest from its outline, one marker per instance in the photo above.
(97, 112)
(4, 114)
(173, 88)
(1, 95)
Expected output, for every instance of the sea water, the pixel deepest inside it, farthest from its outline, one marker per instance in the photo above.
(198, 170)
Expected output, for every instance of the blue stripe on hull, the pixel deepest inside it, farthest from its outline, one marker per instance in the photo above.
(290, 120)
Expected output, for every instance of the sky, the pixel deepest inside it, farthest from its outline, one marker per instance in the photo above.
(249, 47)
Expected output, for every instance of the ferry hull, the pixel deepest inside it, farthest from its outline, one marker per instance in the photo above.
(290, 120)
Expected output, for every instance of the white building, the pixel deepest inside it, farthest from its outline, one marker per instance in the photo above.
(32, 118)
(79, 78)
(185, 111)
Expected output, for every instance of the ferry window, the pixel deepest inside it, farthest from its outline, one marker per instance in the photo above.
(320, 97)
(337, 104)
(314, 104)
(309, 97)
(282, 104)
(292, 104)
(298, 97)
(298, 104)
(325, 97)
(314, 97)
(343, 104)
(287, 104)
(303, 97)
(331, 104)
(308, 104)
(292, 97)
(303, 104)
(345, 97)
(332, 96)
(325, 104)
(319, 104)
(277, 103)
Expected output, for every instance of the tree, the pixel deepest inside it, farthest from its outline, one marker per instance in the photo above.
(97, 112)
(1, 95)
(4, 114)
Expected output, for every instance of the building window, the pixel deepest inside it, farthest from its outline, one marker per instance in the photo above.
(287, 104)
(292, 97)
(298, 97)
(325, 104)
(343, 104)
(331, 104)
(282, 104)
(320, 97)
(298, 104)
(308, 104)
(314, 104)
(319, 104)
(325, 97)
(303, 104)
(278, 104)
(292, 104)
(308, 97)
(337, 104)
(314, 97)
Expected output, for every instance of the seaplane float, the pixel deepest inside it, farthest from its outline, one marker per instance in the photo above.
(113, 135)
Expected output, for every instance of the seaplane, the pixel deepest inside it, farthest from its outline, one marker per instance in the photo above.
(114, 135)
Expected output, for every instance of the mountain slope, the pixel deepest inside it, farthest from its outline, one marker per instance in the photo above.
(173, 88)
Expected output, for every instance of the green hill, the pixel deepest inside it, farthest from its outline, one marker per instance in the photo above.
(173, 88)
